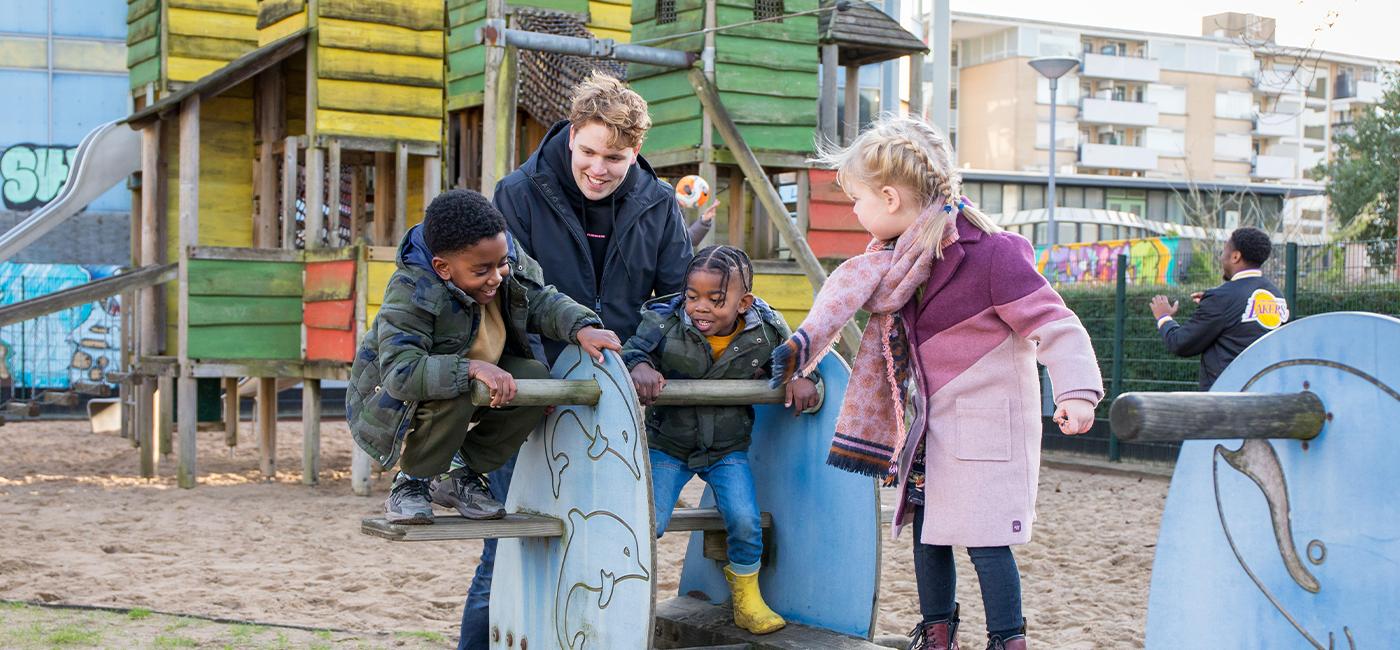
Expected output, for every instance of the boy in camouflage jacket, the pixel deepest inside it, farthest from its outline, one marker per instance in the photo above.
(458, 309)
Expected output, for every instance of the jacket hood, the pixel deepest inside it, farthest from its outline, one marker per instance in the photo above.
(413, 251)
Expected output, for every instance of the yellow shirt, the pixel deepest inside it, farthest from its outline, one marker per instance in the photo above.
(719, 343)
(491, 335)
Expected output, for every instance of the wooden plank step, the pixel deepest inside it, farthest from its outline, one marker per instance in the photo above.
(59, 398)
(92, 388)
(20, 409)
(457, 528)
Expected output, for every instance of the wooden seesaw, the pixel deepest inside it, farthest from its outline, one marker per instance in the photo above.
(576, 564)
(1290, 538)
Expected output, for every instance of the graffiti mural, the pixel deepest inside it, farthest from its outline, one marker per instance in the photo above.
(1153, 260)
(78, 344)
(33, 174)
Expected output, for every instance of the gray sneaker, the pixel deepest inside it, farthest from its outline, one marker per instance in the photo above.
(468, 493)
(408, 502)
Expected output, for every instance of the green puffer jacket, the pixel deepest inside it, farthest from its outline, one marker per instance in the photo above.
(415, 351)
(666, 339)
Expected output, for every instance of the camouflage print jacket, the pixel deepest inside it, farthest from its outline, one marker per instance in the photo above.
(669, 341)
(415, 351)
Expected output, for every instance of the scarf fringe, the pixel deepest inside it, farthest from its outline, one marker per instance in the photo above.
(872, 467)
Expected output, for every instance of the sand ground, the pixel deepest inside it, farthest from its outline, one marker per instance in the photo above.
(82, 528)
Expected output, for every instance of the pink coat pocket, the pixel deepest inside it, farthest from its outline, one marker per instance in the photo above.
(984, 429)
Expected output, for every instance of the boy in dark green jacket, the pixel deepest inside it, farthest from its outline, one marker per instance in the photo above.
(717, 329)
(457, 310)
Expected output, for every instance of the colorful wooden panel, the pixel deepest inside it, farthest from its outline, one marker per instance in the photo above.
(279, 18)
(466, 61)
(204, 35)
(1290, 543)
(610, 19)
(143, 42)
(329, 312)
(789, 293)
(244, 309)
(376, 281)
(833, 231)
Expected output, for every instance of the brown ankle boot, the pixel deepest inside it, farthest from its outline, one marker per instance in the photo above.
(1014, 642)
(938, 635)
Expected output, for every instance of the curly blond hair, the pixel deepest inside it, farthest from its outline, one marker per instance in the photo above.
(603, 99)
(908, 153)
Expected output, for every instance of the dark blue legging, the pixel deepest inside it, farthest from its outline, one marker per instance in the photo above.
(937, 578)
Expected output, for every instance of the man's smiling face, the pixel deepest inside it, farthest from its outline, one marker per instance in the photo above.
(598, 167)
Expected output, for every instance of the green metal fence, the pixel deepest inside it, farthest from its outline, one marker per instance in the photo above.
(1344, 276)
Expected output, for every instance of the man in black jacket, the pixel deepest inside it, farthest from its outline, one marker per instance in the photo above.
(606, 231)
(1231, 316)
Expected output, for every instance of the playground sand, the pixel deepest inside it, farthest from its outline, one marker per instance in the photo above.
(82, 528)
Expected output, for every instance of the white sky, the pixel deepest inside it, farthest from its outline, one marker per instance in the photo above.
(1359, 27)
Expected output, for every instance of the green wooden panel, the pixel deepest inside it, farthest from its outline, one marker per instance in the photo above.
(670, 111)
(143, 28)
(145, 72)
(765, 109)
(458, 4)
(462, 91)
(233, 310)
(466, 63)
(143, 51)
(672, 137)
(138, 8)
(765, 137)
(765, 81)
(244, 278)
(663, 87)
(245, 342)
(644, 11)
(775, 54)
(463, 36)
(802, 29)
(471, 11)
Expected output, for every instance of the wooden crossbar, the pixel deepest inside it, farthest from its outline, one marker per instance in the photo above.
(680, 392)
(524, 525)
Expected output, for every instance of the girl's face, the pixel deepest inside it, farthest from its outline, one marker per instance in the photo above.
(884, 212)
(713, 307)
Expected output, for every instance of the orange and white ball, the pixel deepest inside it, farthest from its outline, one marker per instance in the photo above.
(692, 191)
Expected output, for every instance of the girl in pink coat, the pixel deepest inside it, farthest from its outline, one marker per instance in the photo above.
(959, 317)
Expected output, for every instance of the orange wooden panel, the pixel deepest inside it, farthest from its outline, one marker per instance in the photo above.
(330, 314)
(330, 345)
(330, 280)
(825, 188)
(838, 245)
(832, 216)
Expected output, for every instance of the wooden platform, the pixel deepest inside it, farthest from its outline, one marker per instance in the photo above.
(524, 525)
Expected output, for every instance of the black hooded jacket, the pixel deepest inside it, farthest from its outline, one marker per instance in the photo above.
(647, 248)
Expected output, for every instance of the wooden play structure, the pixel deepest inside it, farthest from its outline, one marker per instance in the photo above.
(578, 545)
(1282, 498)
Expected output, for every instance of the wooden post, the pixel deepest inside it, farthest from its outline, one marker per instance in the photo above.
(357, 205)
(738, 208)
(852, 126)
(498, 106)
(400, 193)
(383, 199)
(333, 196)
(432, 179)
(231, 411)
(916, 84)
(1211, 416)
(289, 193)
(267, 426)
(187, 393)
(165, 415)
(272, 121)
(146, 320)
(310, 430)
(768, 196)
(315, 219)
(804, 203)
(829, 99)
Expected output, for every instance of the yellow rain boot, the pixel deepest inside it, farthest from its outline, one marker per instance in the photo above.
(750, 612)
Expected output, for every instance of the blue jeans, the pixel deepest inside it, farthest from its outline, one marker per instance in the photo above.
(937, 579)
(734, 495)
(476, 622)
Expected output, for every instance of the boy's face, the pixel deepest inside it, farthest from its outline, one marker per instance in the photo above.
(478, 270)
(598, 168)
(715, 308)
(1230, 261)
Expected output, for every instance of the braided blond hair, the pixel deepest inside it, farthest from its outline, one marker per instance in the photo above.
(910, 154)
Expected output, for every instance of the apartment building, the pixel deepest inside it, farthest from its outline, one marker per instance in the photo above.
(1229, 108)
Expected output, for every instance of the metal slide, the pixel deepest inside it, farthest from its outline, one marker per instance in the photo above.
(105, 157)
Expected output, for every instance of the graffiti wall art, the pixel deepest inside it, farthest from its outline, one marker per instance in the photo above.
(32, 174)
(78, 344)
(1153, 260)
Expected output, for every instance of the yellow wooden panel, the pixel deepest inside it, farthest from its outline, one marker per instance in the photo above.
(376, 37)
(793, 318)
(413, 14)
(102, 56)
(281, 28)
(244, 7)
(377, 280)
(211, 23)
(206, 47)
(414, 205)
(227, 109)
(226, 176)
(352, 65)
(185, 69)
(610, 16)
(24, 52)
(367, 125)
(784, 292)
(368, 97)
(600, 32)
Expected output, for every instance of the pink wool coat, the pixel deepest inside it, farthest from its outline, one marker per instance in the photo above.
(985, 318)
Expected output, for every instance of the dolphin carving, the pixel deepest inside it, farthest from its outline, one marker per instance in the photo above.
(612, 555)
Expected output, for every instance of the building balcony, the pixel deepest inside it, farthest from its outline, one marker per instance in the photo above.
(1275, 125)
(1126, 68)
(1278, 82)
(1094, 110)
(1116, 156)
(1272, 167)
(1364, 92)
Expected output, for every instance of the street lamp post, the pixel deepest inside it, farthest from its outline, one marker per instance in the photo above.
(1052, 68)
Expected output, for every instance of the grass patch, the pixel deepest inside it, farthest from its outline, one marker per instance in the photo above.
(138, 613)
(324, 635)
(72, 634)
(164, 641)
(179, 624)
(13, 605)
(431, 637)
